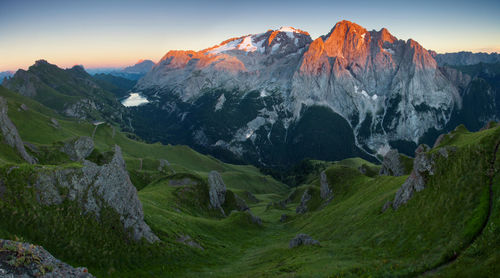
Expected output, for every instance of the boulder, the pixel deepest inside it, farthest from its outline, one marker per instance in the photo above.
(95, 187)
(283, 218)
(79, 148)
(302, 208)
(34, 261)
(302, 239)
(10, 134)
(55, 123)
(186, 239)
(392, 164)
(216, 191)
(325, 191)
(164, 165)
(24, 107)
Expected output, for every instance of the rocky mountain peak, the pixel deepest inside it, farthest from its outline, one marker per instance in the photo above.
(346, 40)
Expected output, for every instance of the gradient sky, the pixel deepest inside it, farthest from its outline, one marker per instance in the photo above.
(117, 33)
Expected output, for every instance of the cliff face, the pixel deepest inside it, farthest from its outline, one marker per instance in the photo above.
(10, 134)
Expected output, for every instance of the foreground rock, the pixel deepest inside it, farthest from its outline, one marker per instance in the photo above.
(302, 239)
(392, 164)
(216, 191)
(10, 134)
(18, 259)
(95, 187)
(423, 167)
(79, 148)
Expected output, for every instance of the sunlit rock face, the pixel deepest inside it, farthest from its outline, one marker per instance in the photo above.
(386, 89)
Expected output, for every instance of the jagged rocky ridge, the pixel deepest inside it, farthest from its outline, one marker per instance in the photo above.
(97, 187)
(378, 88)
(465, 58)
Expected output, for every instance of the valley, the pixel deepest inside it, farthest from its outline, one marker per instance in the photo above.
(356, 237)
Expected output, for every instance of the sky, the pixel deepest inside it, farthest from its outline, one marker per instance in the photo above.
(112, 33)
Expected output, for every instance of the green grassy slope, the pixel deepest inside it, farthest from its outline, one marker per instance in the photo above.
(357, 239)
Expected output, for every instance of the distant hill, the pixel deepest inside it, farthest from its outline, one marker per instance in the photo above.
(71, 92)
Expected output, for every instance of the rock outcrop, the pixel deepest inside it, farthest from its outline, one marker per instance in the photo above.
(10, 134)
(240, 203)
(302, 239)
(186, 239)
(79, 148)
(302, 208)
(392, 164)
(216, 191)
(34, 261)
(423, 167)
(255, 219)
(325, 190)
(95, 187)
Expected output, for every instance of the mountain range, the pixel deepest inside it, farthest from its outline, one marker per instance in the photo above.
(277, 97)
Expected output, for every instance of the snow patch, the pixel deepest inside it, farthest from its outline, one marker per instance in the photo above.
(247, 45)
(220, 102)
(375, 97)
(134, 99)
(225, 47)
(388, 50)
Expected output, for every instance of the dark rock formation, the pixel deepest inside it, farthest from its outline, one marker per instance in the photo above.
(216, 190)
(302, 208)
(95, 187)
(392, 165)
(302, 239)
(10, 134)
(79, 148)
(35, 262)
(325, 191)
(423, 167)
